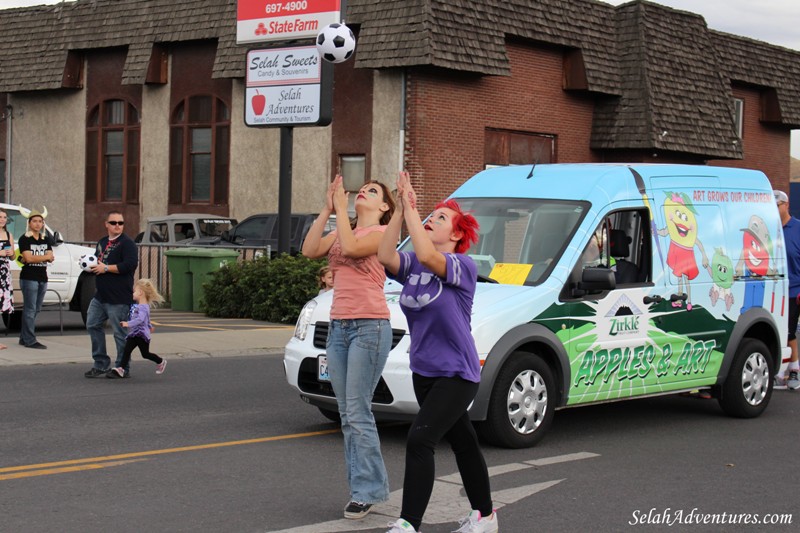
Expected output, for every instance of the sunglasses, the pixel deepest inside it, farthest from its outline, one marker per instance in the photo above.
(116, 222)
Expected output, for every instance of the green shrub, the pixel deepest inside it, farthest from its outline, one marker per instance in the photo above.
(263, 289)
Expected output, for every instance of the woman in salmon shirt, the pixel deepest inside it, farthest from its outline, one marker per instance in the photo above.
(360, 336)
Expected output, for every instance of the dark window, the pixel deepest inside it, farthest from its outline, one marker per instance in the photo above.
(112, 152)
(199, 148)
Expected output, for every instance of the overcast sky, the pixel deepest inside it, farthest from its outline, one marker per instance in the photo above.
(773, 21)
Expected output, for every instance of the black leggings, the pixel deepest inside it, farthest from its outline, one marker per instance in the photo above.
(144, 348)
(443, 414)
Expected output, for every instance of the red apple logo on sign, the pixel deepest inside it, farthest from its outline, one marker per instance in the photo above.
(258, 101)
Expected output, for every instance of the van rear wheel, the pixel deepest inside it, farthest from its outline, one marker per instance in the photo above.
(521, 404)
(748, 387)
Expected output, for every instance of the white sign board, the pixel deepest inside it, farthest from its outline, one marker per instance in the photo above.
(259, 21)
(282, 88)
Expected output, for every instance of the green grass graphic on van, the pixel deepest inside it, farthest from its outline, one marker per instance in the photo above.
(621, 356)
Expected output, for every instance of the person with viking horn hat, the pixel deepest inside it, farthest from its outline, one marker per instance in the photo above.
(36, 252)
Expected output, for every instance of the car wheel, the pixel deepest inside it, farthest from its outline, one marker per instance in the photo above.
(748, 387)
(13, 321)
(333, 416)
(87, 293)
(522, 402)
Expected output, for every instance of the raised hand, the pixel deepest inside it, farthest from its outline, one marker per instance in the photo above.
(339, 196)
(329, 193)
(405, 189)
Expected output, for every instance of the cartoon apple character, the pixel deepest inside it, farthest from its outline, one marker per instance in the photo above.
(259, 101)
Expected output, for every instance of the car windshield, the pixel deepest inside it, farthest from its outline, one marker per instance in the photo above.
(520, 239)
(213, 227)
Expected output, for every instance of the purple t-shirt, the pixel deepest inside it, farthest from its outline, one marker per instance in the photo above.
(438, 312)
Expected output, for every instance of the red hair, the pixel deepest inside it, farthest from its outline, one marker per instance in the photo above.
(464, 223)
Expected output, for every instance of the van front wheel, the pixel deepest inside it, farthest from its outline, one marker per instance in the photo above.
(521, 404)
(748, 387)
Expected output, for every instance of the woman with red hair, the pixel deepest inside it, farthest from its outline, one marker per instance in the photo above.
(438, 288)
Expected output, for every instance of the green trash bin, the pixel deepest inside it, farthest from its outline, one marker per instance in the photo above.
(181, 284)
(204, 261)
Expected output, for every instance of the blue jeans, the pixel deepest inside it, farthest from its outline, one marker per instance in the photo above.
(33, 296)
(96, 317)
(357, 352)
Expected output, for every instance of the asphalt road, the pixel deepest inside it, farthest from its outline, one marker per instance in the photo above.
(223, 445)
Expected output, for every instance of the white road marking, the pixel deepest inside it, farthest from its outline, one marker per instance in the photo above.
(561, 459)
(447, 503)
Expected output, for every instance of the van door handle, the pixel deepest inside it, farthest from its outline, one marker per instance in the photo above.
(653, 299)
(681, 296)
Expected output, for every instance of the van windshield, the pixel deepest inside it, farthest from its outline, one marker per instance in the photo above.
(521, 239)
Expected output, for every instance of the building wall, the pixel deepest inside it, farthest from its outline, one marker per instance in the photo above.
(766, 148)
(255, 165)
(386, 156)
(49, 151)
(448, 114)
(154, 155)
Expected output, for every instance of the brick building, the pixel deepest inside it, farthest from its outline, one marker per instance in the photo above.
(138, 105)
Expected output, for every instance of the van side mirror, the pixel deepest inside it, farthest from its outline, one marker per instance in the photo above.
(595, 279)
(57, 239)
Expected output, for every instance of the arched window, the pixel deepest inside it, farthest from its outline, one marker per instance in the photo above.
(112, 152)
(199, 148)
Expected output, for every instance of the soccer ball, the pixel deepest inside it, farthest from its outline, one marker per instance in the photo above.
(336, 43)
(86, 262)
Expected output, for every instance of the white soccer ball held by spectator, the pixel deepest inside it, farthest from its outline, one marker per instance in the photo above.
(336, 43)
(86, 262)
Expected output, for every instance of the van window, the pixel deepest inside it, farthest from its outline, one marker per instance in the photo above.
(521, 231)
(621, 242)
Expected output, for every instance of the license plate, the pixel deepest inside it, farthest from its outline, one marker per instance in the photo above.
(322, 369)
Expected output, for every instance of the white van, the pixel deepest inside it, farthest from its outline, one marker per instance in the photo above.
(597, 283)
(66, 284)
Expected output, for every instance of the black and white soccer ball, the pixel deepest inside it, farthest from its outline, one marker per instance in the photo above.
(336, 43)
(86, 262)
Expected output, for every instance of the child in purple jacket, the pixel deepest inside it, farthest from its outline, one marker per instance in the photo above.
(139, 327)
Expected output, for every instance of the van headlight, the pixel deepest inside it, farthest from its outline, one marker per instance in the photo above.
(304, 320)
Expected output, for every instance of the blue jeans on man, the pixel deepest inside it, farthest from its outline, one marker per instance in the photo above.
(96, 318)
(33, 296)
(357, 351)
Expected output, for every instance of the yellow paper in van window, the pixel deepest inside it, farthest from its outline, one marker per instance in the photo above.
(510, 273)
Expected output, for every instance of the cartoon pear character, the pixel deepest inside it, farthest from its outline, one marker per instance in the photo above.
(754, 263)
(681, 219)
(721, 272)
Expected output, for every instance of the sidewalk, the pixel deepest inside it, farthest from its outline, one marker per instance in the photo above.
(261, 338)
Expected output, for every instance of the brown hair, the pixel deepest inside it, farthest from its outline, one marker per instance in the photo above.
(321, 275)
(388, 199)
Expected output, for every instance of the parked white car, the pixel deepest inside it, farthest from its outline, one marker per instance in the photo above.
(67, 283)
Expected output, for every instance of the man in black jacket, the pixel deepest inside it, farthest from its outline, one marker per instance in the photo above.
(117, 259)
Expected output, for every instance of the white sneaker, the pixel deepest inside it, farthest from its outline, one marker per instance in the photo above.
(794, 382)
(475, 523)
(401, 526)
(160, 367)
(779, 383)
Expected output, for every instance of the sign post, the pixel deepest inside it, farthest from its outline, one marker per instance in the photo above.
(288, 86)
